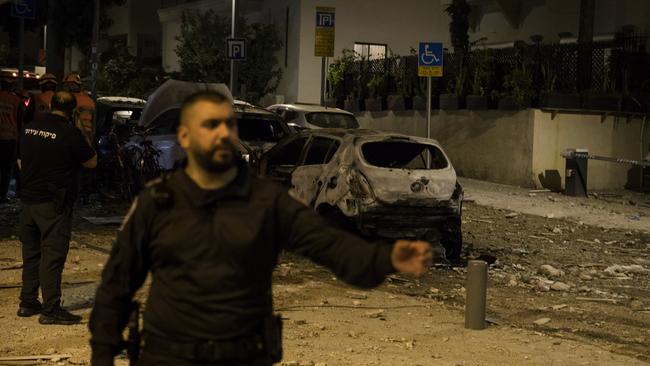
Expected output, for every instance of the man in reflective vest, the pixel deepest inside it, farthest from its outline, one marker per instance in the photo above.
(85, 105)
(42, 101)
(9, 115)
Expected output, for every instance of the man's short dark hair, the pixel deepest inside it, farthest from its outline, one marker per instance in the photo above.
(201, 96)
(63, 101)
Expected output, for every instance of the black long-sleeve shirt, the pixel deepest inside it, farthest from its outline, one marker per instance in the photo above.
(211, 255)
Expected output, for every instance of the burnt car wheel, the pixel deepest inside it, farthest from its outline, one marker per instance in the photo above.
(452, 239)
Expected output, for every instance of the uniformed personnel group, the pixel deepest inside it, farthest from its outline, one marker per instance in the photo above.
(210, 234)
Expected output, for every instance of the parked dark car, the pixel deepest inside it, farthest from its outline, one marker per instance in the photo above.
(259, 129)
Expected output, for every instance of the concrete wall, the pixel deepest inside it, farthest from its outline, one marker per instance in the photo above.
(490, 145)
(523, 148)
(275, 12)
(612, 137)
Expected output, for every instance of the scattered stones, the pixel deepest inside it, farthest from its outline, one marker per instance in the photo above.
(550, 271)
(434, 290)
(557, 230)
(617, 270)
(356, 295)
(512, 215)
(585, 277)
(542, 321)
(550, 216)
(541, 285)
(560, 286)
(636, 305)
(375, 314)
(559, 307)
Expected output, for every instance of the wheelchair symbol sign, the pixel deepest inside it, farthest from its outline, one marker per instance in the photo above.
(430, 54)
(23, 9)
(430, 59)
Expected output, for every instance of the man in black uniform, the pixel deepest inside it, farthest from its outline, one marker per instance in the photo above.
(52, 153)
(211, 247)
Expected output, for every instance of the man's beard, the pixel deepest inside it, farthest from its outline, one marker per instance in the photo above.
(206, 160)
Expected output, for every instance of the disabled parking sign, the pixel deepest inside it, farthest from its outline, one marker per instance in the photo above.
(430, 59)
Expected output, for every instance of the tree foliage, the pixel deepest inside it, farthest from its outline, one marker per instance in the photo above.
(201, 49)
(259, 72)
(118, 71)
(459, 12)
(202, 53)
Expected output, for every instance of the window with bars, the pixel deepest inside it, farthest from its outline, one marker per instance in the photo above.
(371, 51)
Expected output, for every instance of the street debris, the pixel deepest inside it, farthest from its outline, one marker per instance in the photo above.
(17, 265)
(550, 271)
(560, 286)
(618, 270)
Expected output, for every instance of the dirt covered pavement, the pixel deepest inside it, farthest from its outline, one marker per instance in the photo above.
(561, 292)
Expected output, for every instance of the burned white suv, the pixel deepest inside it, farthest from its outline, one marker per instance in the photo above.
(384, 185)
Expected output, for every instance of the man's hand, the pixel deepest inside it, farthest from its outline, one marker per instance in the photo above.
(411, 257)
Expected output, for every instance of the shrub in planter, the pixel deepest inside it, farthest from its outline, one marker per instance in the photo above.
(373, 104)
(600, 102)
(351, 105)
(330, 102)
(519, 92)
(419, 103)
(396, 103)
(375, 85)
(483, 64)
(560, 100)
(476, 102)
(449, 102)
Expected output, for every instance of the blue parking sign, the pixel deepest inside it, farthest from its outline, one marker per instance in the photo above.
(23, 9)
(430, 59)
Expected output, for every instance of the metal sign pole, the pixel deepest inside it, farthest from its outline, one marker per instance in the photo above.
(95, 51)
(322, 82)
(232, 35)
(21, 52)
(428, 117)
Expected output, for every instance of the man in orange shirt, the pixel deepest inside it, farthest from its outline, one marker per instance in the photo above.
(85, 105)
(9, 114)
(84, 120)
(42, 101)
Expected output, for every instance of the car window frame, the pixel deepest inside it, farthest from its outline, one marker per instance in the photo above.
(333, 142)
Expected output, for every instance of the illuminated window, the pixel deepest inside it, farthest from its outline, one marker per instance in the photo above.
(371, 51)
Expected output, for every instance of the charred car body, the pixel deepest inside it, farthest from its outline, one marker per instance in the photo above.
(386, 185)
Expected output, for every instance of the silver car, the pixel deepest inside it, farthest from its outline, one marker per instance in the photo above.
(301, 116)
(382, 184)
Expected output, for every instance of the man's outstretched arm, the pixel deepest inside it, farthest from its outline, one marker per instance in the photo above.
(351, 258)
(123, 275)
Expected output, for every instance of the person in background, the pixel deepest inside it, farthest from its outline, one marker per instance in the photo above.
(10, 108)
(52, 153)
(84, 119)
(41, 102)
